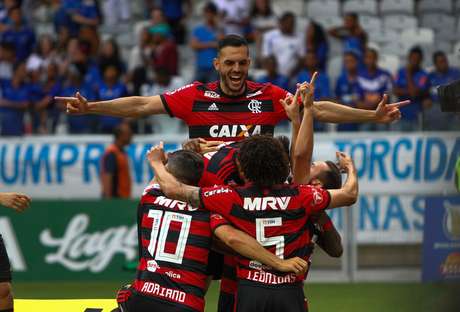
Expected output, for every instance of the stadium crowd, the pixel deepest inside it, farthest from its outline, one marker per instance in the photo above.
(50, 48)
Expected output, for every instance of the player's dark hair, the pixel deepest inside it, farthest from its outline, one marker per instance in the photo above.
(232, 41)
(263, 161)
(331, 178)
(438, 54)
(186, 166)
(286, 143)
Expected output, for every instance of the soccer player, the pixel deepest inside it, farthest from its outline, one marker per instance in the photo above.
(174, 242)
(269, 210)
(231, 108)
(18, 202)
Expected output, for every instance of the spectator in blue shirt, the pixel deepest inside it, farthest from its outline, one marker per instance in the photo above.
(412, 83)
(87, 67)
(46, 114)
(63, 16)
(204, 42)
(317, 42)
(441, 75)
(273, 76)
(111, 88)
(374, 82)
(14, 102)
(174, 13)
(347, 88)
(353, 36)
(19, 34)
(322, 86)
(84, 123)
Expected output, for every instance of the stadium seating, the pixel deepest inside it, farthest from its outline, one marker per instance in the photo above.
(385, 36)
(397, 47)
(371, 24)
(418, 36)
(457, 6)
(397, 7)
(334, 68)
(326, 8)
(442, 24)
(427, 6)
(399, 22)
(390, 62)
(361, 7)
(328, 22)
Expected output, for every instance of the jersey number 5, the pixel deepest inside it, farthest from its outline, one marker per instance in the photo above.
(278, 241)
(158, 235)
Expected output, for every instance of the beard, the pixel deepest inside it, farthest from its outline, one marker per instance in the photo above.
(235, 84)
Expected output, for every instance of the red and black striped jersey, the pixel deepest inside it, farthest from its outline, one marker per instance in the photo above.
(211, 114)
(174, 242)
(276, 217)
(220, 166)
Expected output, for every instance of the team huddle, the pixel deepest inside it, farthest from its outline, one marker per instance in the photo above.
(246, 208)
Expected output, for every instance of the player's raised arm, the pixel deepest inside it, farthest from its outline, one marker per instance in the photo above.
(304, 143)
(348, 194)
(16, 201)
(171, 187)
(131, 106)
(326, 111)
(250, 248)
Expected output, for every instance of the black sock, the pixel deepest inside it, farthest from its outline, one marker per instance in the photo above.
(7, 310)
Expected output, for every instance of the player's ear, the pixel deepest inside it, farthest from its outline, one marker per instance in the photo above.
(216, 63)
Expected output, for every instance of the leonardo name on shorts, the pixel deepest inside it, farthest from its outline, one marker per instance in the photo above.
(269, 278)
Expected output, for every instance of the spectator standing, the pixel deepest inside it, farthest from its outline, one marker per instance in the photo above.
(165, 50)
(352, 35)
(234, 15)
(110, 88)
(14, 102)
(78, 124)
(139, 61)
(175, 13)
(285, 44)
(88, 17)
(442, 74)
(412, 83)
(19, 34)
(347, 89)
(263, 19)
(115, 175)
(317, 42)
(86, 65)
(273, 76)
(110, 56)
(45, 53)
(204, 42)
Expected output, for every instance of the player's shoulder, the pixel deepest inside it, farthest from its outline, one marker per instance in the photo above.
(188, 87)
(150, 193)
(217, 190)
(261, 88)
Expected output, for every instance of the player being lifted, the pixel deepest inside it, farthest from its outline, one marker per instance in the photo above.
(269, 210)
(174, 242)
(231, 108)
(18, 202)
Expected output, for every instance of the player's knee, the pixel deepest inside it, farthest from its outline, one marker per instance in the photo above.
(5, 291)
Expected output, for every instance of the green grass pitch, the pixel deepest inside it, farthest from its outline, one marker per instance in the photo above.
(341, 297)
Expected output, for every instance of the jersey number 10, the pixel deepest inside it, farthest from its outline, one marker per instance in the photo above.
(158, 235)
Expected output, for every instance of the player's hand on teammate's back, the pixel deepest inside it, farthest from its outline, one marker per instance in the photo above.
(345, 161)
(16, 201)
(293, 265)
(388, 113)
(76, 105)
(201, 146)
(157, 154)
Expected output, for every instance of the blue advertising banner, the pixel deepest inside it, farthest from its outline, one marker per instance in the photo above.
(441, 239)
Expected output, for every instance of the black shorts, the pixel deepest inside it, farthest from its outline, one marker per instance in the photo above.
(226, 302)
(255, 297)
(215, 265)
(5, 267)
(139, 303)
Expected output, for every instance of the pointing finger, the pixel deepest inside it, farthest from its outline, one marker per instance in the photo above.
(400, 104)
(313, 78)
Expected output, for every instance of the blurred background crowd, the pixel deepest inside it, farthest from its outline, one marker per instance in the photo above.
(111, 48)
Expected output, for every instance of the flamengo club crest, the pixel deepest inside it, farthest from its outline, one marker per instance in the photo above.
(254, 106)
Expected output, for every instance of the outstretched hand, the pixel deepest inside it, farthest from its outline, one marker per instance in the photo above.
(201, 146)
(16, 201)
(345, 161)
(75, 105)
(291, 107)
(388, 113)
(157, 154)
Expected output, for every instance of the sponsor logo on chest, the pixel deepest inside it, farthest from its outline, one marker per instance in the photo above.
(232, 131)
